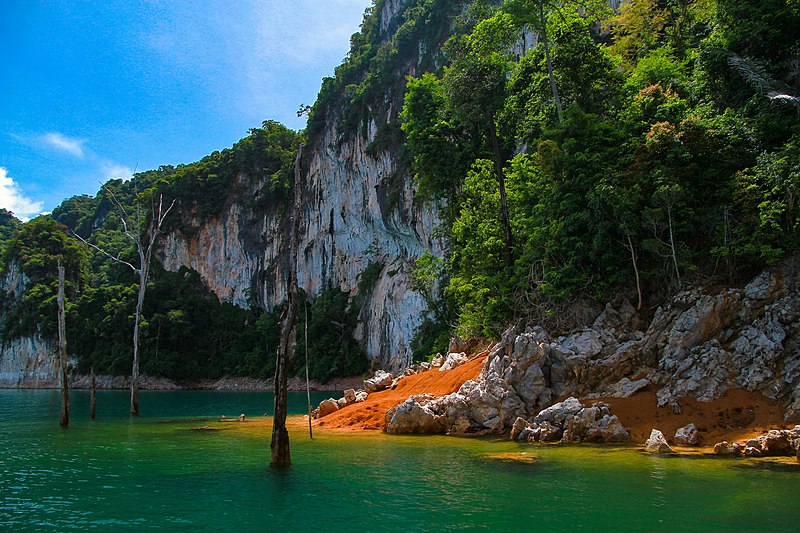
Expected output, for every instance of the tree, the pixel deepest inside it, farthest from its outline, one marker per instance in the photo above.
(144, 242)
(62, 350)
(281, 454)
(476, 88)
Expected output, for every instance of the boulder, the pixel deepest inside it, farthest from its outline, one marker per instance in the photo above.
(558, 413)
(453, 360)
(547, 432)
(342, 402)
(413, 416)
(380, 381)
(777, 442)
(723, 448)
(437, 361)
(687, 435)
(657, 443)
(361, 395)
(519, 425)
(327, 407)
(350, 396)
(608, 429)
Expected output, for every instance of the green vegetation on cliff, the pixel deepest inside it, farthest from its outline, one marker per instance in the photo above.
(675, 159)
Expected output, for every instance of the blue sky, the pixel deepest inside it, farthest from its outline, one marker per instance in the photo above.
(91, 89)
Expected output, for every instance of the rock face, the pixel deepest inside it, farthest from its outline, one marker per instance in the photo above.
(27, 361)
(699, 345)
(359, 210)
(657, 443)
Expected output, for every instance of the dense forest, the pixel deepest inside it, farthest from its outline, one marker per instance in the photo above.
(577, 154)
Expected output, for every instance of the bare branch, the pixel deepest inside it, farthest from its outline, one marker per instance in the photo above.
(113, 258)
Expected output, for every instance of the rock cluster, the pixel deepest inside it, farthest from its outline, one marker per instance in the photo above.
(331, 405)
(379, 381)
(777, 442)
(570, 421)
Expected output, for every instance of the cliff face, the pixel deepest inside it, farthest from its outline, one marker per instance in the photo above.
(359, 209)
(26, 359)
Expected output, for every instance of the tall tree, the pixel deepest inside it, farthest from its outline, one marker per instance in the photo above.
(144, 240)
(62, 350)
(281, 454)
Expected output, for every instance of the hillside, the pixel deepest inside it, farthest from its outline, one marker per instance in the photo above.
(470, 165)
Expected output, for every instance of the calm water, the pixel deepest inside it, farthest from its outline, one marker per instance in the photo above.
(119, 474)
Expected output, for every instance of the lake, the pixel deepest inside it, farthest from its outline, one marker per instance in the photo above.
(155, 472)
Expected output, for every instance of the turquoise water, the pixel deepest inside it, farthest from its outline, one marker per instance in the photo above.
(153, 473)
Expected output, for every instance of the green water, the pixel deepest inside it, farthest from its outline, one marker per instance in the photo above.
(123, 474)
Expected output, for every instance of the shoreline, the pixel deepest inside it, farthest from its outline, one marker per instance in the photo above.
(146, 383)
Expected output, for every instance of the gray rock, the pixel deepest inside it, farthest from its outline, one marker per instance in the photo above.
(558, 413)
(657, 443)
(453, 360)
(414, 416)
(687, 435)
(361, 396)
(437, 361)
(625, 388)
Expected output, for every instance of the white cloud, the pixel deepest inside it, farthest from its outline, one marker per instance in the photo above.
(64, 144)
(113, 171)
(12, 198)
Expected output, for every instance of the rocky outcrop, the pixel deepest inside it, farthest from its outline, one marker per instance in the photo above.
(572, 422)
(359, 210)
(776, 443)
(414, 416)
(28, 361)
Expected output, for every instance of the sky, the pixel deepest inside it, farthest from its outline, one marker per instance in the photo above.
(93, 89)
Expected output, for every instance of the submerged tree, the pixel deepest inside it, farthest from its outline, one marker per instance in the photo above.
(281, 455)
(62, 350)
(144, 241)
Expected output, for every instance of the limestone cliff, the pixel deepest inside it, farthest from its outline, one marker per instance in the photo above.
(360, 209)
(25, 360)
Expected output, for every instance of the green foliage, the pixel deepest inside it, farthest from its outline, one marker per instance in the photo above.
(34, 250)
(333, 352)
(678, 153)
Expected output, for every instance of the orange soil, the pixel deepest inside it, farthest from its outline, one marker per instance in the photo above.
(739, 415)
(370, 414)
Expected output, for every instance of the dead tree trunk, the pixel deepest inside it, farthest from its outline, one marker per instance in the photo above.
(546, 43)
(281, 455)
(144, 248)
(501, 183)
(93, 400)
(62, 350)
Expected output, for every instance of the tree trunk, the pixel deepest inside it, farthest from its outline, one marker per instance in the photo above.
(137, 318)
(93, 400)
(546, 45)
(501, 182)
(281, 454)
(62, 351)
(635, 271)
(672, 247)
